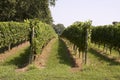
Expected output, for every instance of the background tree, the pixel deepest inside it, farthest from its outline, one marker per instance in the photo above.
(18, 10)
(7, 9)
(59, 28)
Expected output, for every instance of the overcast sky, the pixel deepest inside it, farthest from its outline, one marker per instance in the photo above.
(99, 11)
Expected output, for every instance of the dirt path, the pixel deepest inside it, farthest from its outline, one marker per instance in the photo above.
(61, 50)
(77, 61)
(13, 51)
(41, 59)
(105, 56)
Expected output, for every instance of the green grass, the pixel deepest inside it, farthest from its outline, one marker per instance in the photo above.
(18, 60)
(59, 67)
(114, 53)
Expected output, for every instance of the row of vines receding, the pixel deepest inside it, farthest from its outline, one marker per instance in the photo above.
(34, 31)
(108, 36)
(79, 34)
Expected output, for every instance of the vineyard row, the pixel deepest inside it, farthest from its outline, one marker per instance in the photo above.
(34, 31)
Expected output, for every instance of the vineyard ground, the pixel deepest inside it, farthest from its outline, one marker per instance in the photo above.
(113, 57)
(58, 66)
(7, 54)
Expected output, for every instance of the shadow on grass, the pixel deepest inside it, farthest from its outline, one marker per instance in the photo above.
(3, 49)
(103, 57)
(21, 60)
(64, 54)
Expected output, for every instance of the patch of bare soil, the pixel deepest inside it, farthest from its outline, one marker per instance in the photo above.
(41, 59)
(21, 69)
(110, 57)
(77, 64)
(13, 51)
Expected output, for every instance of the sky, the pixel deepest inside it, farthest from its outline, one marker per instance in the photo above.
(101, 12)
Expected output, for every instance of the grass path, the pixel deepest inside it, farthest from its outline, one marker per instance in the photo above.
(7, 54)
(59, 65)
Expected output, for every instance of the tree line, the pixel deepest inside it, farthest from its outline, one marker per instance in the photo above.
(18, 10)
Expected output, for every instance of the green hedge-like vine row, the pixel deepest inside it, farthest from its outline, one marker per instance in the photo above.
(16, 32)
(42, 34)
(13, 33)
(38, 33)
(108, 35)
(79, 35)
